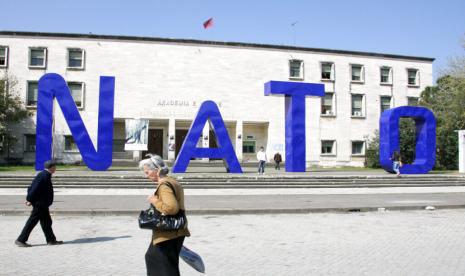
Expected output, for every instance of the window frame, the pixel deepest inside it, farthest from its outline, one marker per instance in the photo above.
(64, 144)
(82, 92)
(83, 59)
(417, 77)
(389, 81)
(27, 93)
(409, 98)
(301, 70)
(352, 148)
(6, 56)
(333, 148)
(362, 108)
(381, 103)
(332, 112)
(44, 65)
(331, 72)
(254, 146)
(25, 147)
(362, 73)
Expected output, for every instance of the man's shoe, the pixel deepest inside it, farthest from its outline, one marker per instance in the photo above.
(54, 242)
(22, 244)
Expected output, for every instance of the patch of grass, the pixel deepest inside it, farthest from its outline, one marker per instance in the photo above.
(16, 168)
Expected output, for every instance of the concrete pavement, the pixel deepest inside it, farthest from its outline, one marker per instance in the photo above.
(244, 201)
(375, 243)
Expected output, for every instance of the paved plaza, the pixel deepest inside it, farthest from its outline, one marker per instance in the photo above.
(367, 243)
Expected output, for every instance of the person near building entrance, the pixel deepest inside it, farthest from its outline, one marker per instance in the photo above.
(40, 196)
(162, 256)
(397, 162)
(261, 157)
(277, 160)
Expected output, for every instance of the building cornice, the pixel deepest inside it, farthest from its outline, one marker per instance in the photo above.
(214, 43)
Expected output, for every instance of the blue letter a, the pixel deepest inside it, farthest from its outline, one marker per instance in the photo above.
(189, 149)
(54, 86)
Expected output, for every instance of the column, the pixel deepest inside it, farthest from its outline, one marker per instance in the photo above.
(205, 142)
(171, 139)
(239, 137)
(462, 151)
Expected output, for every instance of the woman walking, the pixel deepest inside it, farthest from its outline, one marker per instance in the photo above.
(162, 257)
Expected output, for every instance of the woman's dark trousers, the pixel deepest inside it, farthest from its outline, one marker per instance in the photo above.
(162, 259)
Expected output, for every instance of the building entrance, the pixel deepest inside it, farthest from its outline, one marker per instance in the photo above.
(155, 142)
(180, 137)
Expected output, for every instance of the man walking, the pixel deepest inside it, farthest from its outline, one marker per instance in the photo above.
(261, 157)
(40, 196)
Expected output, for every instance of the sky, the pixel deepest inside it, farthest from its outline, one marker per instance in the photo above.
(427, 28)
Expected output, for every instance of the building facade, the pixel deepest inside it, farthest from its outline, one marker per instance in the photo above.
(166, 80)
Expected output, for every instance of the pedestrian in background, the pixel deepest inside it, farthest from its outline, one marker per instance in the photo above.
(40, 196)
(261, 157)
(277, 160)
(396, 162)
(162, 256)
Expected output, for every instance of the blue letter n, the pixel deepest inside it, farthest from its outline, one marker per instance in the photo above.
(54, 86)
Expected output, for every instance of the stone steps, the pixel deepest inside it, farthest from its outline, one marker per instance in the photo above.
(244, 182)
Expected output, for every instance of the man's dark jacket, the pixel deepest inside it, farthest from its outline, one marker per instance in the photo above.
(40, 193)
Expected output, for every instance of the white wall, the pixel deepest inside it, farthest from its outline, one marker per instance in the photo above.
(148, 73)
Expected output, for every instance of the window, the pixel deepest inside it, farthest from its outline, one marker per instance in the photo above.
(32, 93)
(327, 147)
(29, 142)
(3, 56)
(70, 145)
(77, 89)
(248, 146)
(327, 104)
(358, 148)
(385, 75)
(327, 71)
(37, 57)
(412, 75)
(385, 103)
(75, 59)
(296, 68)
(412, 101)
(357, 105)
(357, 73)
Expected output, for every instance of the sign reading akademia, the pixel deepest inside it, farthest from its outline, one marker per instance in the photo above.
(53, 86)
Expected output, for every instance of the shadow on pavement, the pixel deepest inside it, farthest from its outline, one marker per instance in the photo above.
(96, 239)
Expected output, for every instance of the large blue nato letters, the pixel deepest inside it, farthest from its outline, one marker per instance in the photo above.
(425, 154)
(54, 86)
(295, 93)
(189, 148)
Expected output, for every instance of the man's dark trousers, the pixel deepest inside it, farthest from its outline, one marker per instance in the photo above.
(41, 214)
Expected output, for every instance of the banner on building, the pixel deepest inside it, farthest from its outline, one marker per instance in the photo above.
(137, 131)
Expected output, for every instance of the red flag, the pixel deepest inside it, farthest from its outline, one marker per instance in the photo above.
(207, 24)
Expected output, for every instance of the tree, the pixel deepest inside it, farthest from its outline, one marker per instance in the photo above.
(406, 147)
(12, 111)
(447, 101)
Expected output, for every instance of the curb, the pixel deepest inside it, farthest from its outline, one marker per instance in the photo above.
(200, 212)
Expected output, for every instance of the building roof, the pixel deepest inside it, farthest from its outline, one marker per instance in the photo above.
(207, 42)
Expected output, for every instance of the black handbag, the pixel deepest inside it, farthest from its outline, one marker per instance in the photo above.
(153, 219)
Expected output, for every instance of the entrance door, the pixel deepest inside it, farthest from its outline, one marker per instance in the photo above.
(180, 137)
(155, 142)
(213, 143)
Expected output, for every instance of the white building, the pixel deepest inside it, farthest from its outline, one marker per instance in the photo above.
(165, 80)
